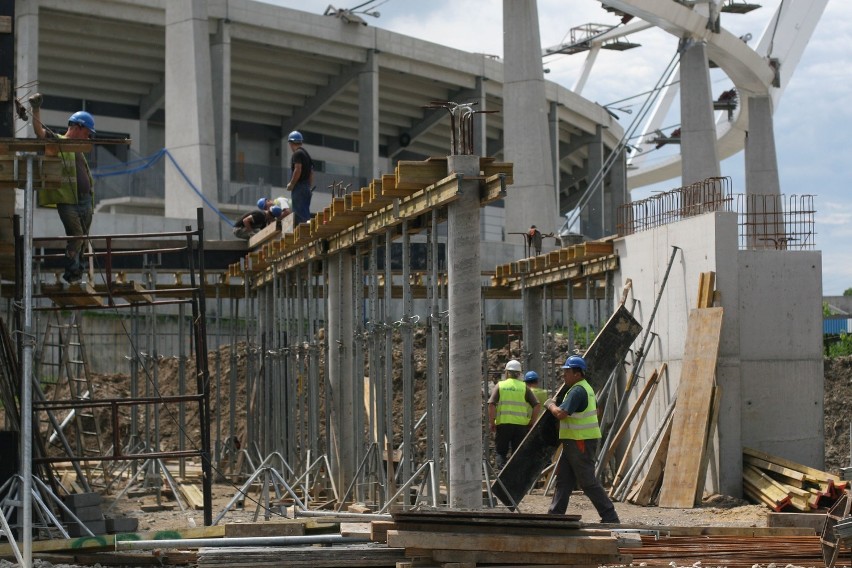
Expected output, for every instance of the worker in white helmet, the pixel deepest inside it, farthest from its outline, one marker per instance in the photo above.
(511, 408)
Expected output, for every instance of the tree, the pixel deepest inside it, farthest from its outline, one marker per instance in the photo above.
(847, 292)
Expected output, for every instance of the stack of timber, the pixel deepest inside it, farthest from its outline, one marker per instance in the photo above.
(506, 539)
(415, 188)
(784, 485)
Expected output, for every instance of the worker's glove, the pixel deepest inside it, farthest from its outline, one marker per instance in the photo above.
(548, 402)
(35, 100)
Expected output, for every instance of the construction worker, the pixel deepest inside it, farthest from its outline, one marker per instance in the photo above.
(511, 408)
(579, 432)
(264, 203)
(301, 177)
(534, 240)
(531, 379)
(75, 198)
(249, 224)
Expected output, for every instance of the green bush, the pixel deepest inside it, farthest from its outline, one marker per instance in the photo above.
(838, 346)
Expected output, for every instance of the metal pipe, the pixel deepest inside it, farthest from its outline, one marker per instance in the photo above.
(344, 515)
(26, 372)
(246, 541)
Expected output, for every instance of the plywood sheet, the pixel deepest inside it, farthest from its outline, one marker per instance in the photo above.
(692, 414)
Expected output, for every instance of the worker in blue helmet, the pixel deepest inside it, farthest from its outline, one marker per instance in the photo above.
(531, 379)
(579, 433)
(301, 178)
(75, 197)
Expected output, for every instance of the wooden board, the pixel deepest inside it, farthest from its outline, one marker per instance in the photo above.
(690, 424)
(644, 491)
(499, 543)
(536, 450)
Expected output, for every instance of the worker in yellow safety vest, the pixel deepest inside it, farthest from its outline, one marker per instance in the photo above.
(511, 408)
(531, 378)
(579, 433)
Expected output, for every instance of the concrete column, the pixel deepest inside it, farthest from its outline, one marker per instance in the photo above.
(189, 106)
(765, 227)
(533, 330)
(593, 214)
(26, 56)
(340, 341)
(220, 54)
(699, 155)
(553, 124)
(368, 118)
(616, 193)
(465, 308)
(531, 199)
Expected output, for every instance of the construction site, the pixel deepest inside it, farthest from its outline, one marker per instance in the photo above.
(318, 393)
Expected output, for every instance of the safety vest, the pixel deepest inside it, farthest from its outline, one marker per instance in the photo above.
(582, 425)
(67, 191)
(512, 406)
(539, 393)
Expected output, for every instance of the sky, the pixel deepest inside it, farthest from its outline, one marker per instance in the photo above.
(812, 121)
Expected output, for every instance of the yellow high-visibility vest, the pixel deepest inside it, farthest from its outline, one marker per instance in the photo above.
(512, 406)
(582, 425)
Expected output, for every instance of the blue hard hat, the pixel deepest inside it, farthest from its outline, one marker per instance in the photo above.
(295, 136)
(83, 118)
(530, 376)
(275, 211)
(261, 203)
(575, 362)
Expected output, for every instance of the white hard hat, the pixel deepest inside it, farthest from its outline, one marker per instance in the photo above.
(513, 365)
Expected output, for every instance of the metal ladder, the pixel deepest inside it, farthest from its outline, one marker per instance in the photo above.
(63, 357)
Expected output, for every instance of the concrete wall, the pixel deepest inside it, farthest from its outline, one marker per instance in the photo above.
(770, 360)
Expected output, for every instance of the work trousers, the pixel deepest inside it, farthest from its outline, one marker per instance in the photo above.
(302, 202)
(507, 438)
(76, 218)
(576, 466)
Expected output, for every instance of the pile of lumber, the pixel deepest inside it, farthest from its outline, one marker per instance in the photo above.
(505, 538)
(784, 485)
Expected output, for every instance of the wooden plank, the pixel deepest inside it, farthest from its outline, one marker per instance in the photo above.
(706, 287)
(193, 496)
(499, 543)
(529, 558)
(648, 391)
(810, 473)
(644, 491)
(692, 413)
(107, 542)
(274, 528)
(708, 444)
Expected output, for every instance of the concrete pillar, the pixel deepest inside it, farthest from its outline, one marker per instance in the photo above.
(553, 126)
(340, 341)
(368, 118)
(465, 328)
(220, 54)
(699, 155)
(616, 193)
(592, 214)
(26, 56)
(531, 199)
(533, 330)
(189, 106)
(765, 228)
